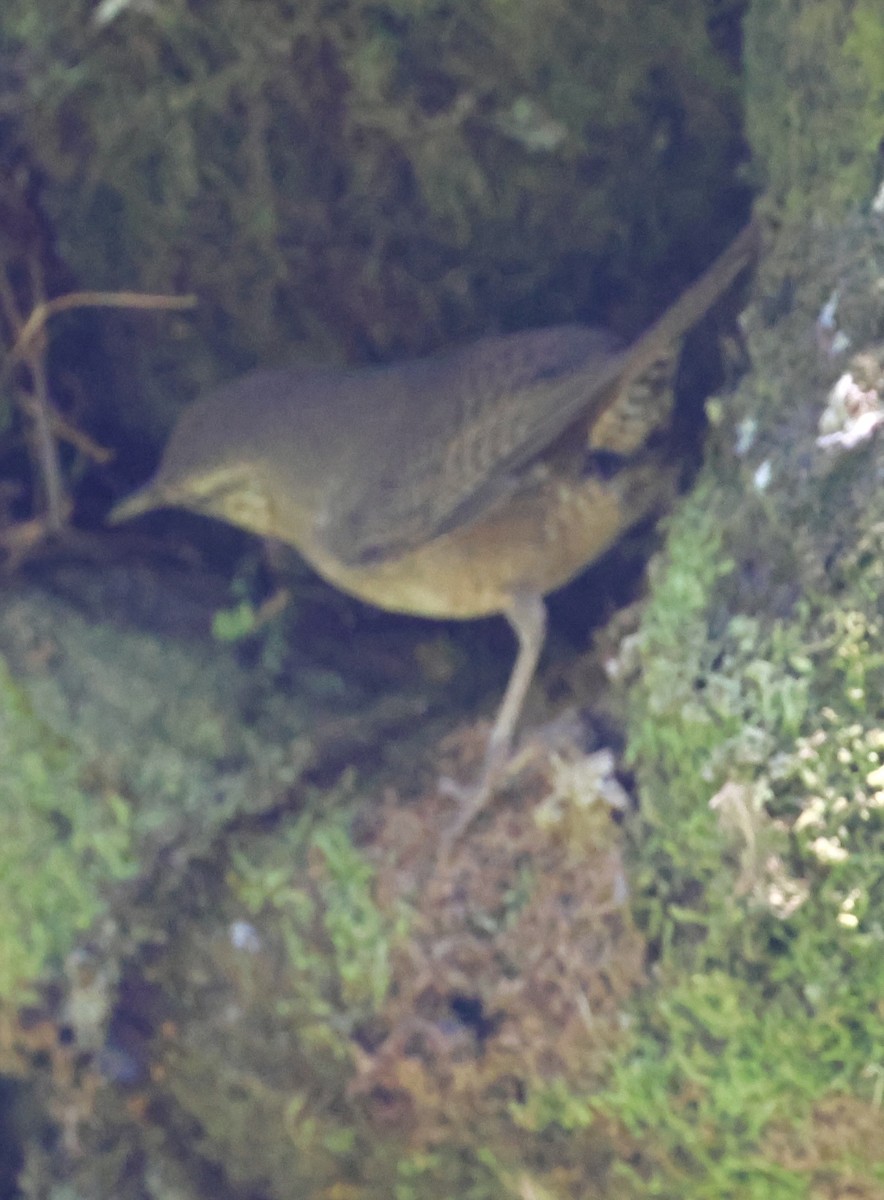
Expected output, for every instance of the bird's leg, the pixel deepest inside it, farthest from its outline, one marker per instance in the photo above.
(527, 617)
(526, 614)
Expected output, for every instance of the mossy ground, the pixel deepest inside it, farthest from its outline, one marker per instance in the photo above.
(757, 737)
(63, 846)
(296, 993)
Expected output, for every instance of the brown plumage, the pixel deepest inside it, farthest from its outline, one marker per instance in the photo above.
(450, 486)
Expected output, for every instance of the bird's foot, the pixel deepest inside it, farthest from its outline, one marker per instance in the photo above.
(502, 763)
(472, 798)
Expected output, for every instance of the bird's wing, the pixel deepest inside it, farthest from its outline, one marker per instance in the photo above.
(458, 429)
(453, 433)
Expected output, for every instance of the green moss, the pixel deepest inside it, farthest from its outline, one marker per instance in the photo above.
(758, 743)
(374, 178)
(815, 90)
(273, 975)
(60, 848)
(338, 943)
(705, 1089)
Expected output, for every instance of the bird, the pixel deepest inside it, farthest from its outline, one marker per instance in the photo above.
(464, 484)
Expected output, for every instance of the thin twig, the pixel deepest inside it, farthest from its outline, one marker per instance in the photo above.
(48, 308)
(66, 432)
(30, 348)
(9, 306)
(46, 448)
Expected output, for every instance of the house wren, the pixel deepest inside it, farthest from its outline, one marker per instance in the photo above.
(453, 486)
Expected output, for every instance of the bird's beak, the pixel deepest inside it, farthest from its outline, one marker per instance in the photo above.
(142, 501)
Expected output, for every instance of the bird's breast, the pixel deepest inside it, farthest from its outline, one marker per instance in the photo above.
(534, 540)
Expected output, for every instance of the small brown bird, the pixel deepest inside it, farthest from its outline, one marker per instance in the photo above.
(454, 486)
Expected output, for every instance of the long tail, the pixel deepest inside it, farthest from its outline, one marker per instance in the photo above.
(691, 305)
